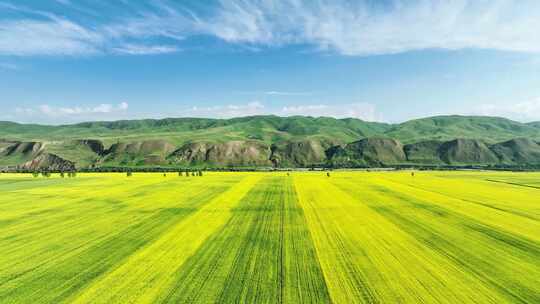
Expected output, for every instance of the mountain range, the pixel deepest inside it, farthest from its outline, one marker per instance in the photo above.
(270, 141)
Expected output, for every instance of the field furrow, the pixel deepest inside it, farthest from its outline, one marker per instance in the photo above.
(147, 273)
(271, 237)
(478, 190)
(264, 254)
(367, 258)
(65, 256)
(478, 252)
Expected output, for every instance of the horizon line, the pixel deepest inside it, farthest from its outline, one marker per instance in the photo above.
(266, 115)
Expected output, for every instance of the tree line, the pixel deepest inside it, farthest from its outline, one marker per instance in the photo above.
(45, 173)
(185, 171)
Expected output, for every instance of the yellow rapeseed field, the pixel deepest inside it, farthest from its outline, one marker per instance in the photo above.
(302, 237)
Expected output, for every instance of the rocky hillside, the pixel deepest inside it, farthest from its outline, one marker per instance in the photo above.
(367, 152)
(269, 141)
(228, 154)
(31, 156)
(370, 152)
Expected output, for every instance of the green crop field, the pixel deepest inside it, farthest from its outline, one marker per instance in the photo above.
(353, 237)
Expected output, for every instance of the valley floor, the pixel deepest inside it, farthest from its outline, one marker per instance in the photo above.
(353, 237)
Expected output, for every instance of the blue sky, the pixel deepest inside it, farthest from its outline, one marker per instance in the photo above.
(67, 61)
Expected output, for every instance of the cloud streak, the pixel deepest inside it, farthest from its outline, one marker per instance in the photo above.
(51, 111)
(227, 111)
(354, 28)
(360, 28)
(364, 111)
(522, 111)
(47, 34)
(275, 93)
(133, 49)
(57, 36)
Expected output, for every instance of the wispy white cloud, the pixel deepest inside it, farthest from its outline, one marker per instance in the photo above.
(365, 111)
(55, 36)
(346, 27)
(44, 33)
(227, 111)
(25, 111)
(134, 49)
(361, 28)
(72, 111)
(522, 111)
(163, 22)
(275, 93)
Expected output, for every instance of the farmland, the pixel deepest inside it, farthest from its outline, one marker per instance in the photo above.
(353, 237)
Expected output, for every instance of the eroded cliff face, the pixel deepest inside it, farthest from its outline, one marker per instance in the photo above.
(368, 152)
(517, 151)
(300, 153)
(138, 153)
(94, 145)
(22, 149)
(48, 162)
(231, 153)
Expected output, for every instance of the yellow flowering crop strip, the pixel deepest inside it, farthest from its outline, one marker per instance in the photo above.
(150, 270)
(487, 256)
(275, 237)
(264, 254)
(367, 258)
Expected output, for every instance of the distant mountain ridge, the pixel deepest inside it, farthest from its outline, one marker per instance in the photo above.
(270, 141)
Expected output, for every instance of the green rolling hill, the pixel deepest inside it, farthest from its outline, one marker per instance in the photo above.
(535, 124)
(270, 141)
(491, 129)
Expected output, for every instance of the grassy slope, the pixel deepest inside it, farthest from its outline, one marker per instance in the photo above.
(350, 238)
(11, 160)
(535, 124)
(271, 129)
(491, 129)
(73, 151)
(265, 129)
